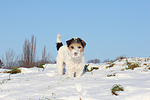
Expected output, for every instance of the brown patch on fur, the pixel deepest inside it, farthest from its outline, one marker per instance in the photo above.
(76, 45)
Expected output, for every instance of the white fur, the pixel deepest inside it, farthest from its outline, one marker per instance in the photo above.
(58, 38)
(73, 64)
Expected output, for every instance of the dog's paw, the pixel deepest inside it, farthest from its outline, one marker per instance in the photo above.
(60, 73)
(78, 76)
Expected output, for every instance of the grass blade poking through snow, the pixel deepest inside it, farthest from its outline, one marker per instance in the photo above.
(88, 68)
(111, 64)
(116, 88)
(131, 65)
(40, 66)
(13, 71)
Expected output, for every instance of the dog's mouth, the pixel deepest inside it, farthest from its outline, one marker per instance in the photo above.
(77, 57)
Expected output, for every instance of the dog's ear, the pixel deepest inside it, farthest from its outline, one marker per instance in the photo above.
(76, 40)
(82, 42)
(69, 42)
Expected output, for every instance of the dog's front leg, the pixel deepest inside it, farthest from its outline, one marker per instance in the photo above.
(69, 72)
(79, 70)
(79, 73)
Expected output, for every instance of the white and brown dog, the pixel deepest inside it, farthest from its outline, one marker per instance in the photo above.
(72, 55)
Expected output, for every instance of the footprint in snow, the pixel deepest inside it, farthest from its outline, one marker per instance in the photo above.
(79, 89)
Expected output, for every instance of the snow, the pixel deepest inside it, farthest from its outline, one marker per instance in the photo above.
(46, 84)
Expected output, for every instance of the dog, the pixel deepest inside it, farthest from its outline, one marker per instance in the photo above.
(71, 55)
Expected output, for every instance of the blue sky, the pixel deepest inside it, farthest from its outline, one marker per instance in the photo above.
(110, 27)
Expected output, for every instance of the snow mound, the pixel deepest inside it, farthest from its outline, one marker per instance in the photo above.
(46, 84)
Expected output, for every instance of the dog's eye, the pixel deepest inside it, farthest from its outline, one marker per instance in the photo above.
(72, 47)
(79, 47)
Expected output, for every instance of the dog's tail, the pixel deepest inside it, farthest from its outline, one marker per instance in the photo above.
(58, 43)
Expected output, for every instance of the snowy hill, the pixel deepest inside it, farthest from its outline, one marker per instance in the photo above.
(45, 84)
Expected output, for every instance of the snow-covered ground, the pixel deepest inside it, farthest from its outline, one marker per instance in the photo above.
(38, 84)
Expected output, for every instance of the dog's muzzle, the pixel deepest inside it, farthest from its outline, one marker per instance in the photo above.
(75, 53)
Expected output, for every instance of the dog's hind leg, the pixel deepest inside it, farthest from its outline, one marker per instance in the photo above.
(60, 67)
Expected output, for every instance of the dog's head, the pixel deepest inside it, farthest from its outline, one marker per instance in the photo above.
(76, 47)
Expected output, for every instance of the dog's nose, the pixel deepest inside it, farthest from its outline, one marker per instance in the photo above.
(76, 53)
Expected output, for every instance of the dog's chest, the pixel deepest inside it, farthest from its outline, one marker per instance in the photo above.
(64, 54)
